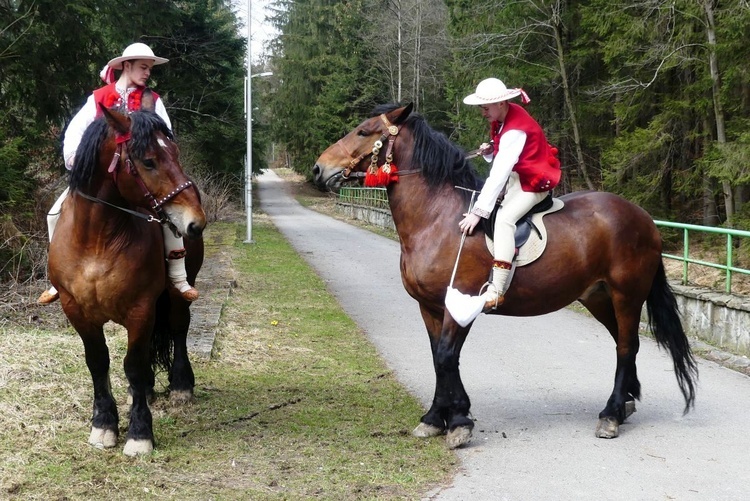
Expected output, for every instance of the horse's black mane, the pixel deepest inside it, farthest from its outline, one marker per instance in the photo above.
(439, 160)
(142, 128)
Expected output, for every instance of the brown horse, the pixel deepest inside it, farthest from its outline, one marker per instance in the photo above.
(107, 260)
(602, 251)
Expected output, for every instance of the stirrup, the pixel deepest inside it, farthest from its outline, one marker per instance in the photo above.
(47, 297)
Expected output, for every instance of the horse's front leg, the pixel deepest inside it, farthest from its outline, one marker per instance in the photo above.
(104, 421)
(450, 404)
(140, 375)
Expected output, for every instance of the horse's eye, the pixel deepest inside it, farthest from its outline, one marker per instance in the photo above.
(362, 133)
(149, 164)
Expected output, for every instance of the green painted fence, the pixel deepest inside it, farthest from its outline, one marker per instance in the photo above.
(729, 234)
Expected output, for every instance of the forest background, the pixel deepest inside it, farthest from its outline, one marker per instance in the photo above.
(649, 99)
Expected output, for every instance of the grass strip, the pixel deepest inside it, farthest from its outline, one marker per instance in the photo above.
(294, 404)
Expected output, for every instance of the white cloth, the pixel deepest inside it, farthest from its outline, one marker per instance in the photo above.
(84, 118)
(463, 307)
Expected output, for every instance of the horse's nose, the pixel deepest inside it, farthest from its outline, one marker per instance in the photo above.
(316, 173)
(194, 230)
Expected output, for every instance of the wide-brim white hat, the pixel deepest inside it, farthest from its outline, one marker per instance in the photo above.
(135, 51)
(492, 90)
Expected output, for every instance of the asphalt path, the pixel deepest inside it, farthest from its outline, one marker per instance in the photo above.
(536, 387)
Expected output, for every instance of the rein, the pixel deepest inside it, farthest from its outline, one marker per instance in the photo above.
(156, 205)
(149, 218)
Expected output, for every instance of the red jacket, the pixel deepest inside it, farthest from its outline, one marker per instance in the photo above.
(538, 166)
(110, 98)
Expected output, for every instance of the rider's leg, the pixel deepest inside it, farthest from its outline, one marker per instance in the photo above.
(515, 204)
(174, 249)
(53, 215)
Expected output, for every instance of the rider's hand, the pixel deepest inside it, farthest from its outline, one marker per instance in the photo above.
(468, 223)
(486, 149)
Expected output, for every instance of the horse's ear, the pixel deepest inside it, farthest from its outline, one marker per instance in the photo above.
(148, 103)
(403, 113)
(119, 122)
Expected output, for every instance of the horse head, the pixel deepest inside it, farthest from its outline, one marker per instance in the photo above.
(362, 147)
(134, 159)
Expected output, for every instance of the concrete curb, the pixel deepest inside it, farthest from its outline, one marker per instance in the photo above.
(216, 281)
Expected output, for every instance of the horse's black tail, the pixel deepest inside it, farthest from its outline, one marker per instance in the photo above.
(665, 324)
(161, 338)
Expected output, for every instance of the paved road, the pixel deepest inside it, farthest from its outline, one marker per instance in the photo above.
(537, 386)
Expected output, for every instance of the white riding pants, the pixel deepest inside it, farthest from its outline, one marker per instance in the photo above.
(515, 204)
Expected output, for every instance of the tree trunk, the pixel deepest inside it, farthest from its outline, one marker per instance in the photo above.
(556, 24)
(721, 138)
(399, 51)
(417, 54)
(710, 211)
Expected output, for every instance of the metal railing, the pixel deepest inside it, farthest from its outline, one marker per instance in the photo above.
(728, 268)
(378, 198)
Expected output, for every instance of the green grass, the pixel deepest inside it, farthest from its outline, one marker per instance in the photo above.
(295, 404)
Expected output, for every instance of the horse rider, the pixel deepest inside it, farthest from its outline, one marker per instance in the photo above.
(124, 94)
(523, 163)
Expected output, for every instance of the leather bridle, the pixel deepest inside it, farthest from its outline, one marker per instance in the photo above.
(122, 156)
(389, 135)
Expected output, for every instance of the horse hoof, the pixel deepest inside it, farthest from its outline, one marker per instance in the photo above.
(135, 447)
(48, 298)
(424, 430)
(629, 408)
(458, 437)
(607, 428)
(181, 397)
(102, 438)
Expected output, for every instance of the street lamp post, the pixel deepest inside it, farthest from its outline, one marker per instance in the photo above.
(249, 116)
(249, 159)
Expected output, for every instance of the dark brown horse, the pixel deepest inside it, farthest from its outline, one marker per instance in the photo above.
(107, 260)
(602, 251)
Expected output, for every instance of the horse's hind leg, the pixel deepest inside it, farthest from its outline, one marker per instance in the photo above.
(104, 422)
(181, 376)
(623, 327)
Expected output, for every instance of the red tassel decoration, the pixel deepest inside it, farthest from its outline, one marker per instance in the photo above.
(393, 176)
(371, 180)
(382, 177)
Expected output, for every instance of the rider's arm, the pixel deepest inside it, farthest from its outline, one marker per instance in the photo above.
(75, 130)
(161, 110)
(509, 150)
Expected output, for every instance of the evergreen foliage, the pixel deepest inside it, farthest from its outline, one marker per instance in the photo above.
(650, 99)
(51, 54)
(327, 81)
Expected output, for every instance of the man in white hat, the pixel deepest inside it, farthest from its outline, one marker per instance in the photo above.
(125, 95)
(523, 160)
